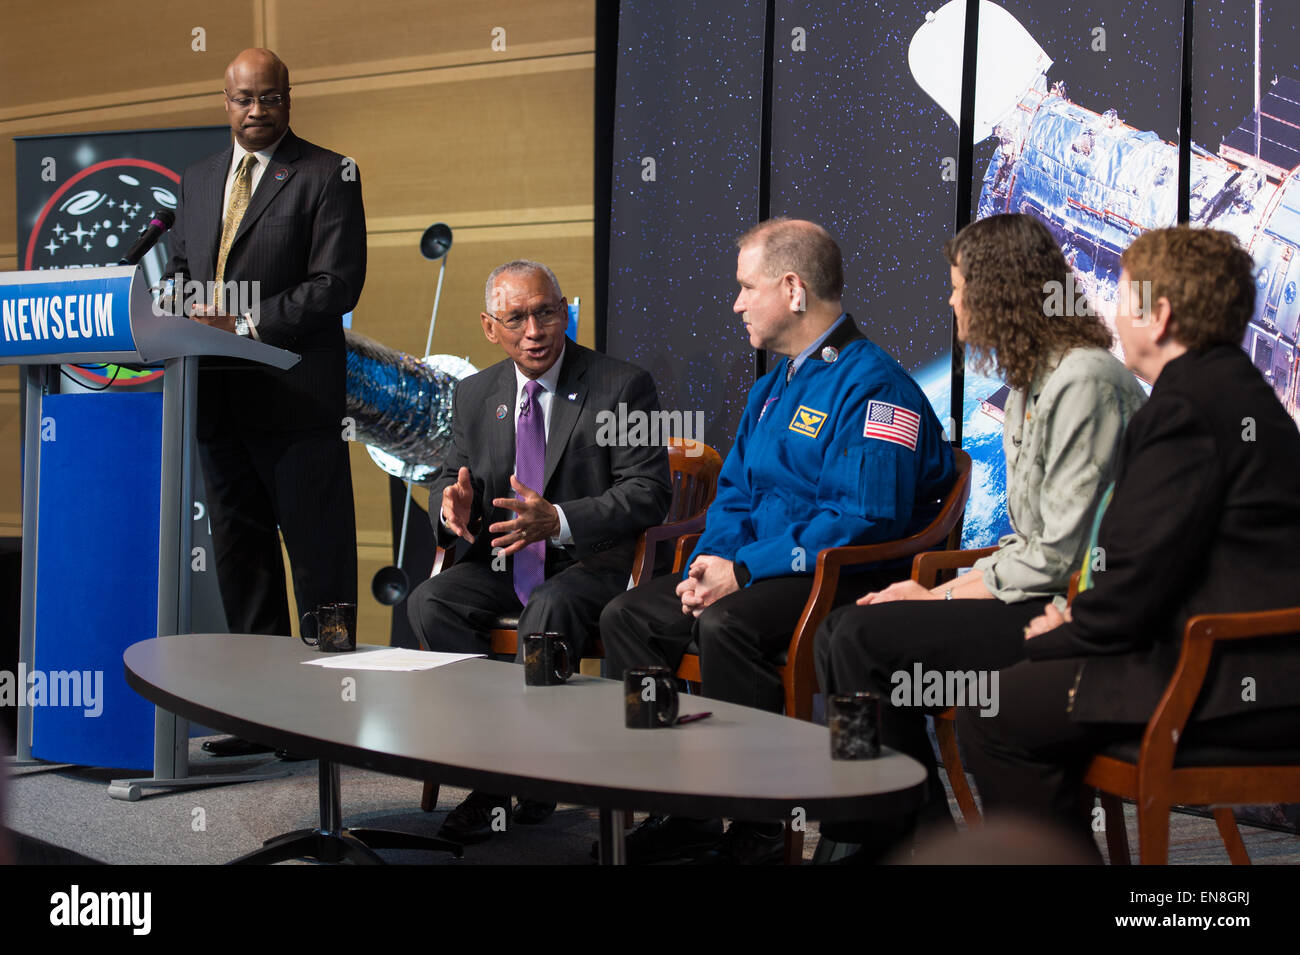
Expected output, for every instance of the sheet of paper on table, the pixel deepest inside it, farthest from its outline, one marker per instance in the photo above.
(389, 658)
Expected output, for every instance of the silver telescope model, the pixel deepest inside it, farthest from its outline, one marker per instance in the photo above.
(402, 409)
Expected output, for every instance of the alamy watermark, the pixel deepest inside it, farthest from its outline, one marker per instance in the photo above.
(1070, 299)
(237, 298)
(76, 688)
(78, 908)
(935, 688)
(640, 429)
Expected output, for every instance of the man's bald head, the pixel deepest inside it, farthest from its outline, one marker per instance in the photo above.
(251, 78)
(258, 59)
(801, 247)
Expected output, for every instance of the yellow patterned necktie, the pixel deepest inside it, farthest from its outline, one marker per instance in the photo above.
(239, 193)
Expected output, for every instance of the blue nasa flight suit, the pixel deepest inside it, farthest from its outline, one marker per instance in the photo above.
(804, 474)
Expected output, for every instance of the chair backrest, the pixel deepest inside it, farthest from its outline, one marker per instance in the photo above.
(798, 675)
(694, 469)
(948, 520)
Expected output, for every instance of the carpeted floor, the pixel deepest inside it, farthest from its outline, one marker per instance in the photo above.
(62, 814)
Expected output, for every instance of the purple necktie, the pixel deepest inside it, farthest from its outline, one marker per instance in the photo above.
(530, 467)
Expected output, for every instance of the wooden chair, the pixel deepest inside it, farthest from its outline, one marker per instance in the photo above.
(1155, 774)
(1160, 773)
(798, 674)
(693, 470)
(927, 570)
(798, 671)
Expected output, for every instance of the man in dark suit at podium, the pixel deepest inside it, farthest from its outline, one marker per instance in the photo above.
(275, 227)
(549, 512)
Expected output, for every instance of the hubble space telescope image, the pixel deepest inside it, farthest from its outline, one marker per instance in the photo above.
(1098, 183)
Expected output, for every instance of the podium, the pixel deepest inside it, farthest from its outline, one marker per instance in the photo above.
(65, 316)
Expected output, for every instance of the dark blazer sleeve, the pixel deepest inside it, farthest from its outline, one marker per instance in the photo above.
(179, 261)
(1155, 536)
(457, 458)
(336, 262)
(639, 491)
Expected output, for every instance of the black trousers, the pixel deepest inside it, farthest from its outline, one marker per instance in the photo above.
(261, 484)
(739, 637)
(862, 648)
(455, 610)
(1030, 759)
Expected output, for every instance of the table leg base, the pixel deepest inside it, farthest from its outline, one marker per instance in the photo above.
(351, 845)
(391, 839)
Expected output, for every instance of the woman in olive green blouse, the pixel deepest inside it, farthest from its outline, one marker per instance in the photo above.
(1069, 404)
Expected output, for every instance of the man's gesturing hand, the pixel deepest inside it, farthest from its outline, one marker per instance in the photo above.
(537, 520)
(457, 501)
(711, 578)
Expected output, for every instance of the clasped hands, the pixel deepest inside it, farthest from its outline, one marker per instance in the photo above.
(709, 580)
(537, 520)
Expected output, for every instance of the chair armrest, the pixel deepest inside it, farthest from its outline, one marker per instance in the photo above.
(685, 545)
(927, 567)
(643, 562)
(1200, 635)
(826, 580)
(443, 558)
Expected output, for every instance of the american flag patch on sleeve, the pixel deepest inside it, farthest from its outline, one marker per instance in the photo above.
(891, 423)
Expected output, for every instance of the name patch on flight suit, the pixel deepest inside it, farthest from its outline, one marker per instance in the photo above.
(807, 421)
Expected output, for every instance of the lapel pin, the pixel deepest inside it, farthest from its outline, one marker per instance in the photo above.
(829, 353)
(573, 396)
(501, 412)
(282, 174)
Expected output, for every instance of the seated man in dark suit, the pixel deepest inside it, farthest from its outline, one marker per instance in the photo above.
(1204, 517)
(548, 512)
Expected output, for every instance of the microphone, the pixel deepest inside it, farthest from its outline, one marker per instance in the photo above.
(160, 223)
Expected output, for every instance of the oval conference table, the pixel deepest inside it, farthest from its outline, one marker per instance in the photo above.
(475, 724)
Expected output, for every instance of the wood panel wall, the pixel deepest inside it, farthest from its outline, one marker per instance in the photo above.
(496, 143)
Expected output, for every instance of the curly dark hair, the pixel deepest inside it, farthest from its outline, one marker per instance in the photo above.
(1011, 263)
(1207, 276)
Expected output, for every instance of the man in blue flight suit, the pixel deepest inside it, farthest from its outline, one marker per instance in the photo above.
(837, 446)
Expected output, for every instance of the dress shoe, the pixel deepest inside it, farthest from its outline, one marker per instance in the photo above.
(530, 812)
(472, 820)
(666, 838)
(749, 843)
(234, 746)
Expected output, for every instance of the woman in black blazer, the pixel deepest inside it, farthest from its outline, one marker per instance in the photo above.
(1204, 518)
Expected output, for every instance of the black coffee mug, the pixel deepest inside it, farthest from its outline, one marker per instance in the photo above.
(649, 697)
(333, 627)
(548, 661)
(854, 721)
